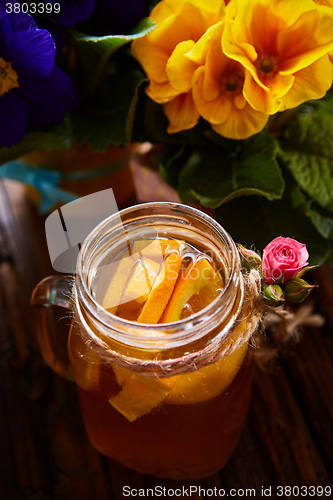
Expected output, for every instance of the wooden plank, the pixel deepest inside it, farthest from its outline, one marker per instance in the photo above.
(281, 430)
(309, 368)
(27, 464)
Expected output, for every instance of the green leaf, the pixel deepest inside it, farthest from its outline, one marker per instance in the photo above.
(305, 270)
(254, 221)
(171, 163)
(325, 107)
(307, 151)
(323, 223)
(59, 137)
(108, 117)
(215, 176)
(94, 52)
(106, 45)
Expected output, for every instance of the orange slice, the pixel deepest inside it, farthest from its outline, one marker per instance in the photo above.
(157, 249)
(141, 281)
(117, 284)
(207, 382)
(137, 289)
(199, 279)
(162, 289)
(138, 395)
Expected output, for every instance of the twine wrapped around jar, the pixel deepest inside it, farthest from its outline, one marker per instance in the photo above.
(281, 324)
(251, 314)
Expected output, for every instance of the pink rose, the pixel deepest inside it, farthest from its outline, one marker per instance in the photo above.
(282, 259)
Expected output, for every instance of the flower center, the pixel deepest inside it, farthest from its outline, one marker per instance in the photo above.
(234, 82)
(267, 65)
(8, 77)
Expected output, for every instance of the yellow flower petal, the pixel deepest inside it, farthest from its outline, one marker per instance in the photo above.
(290, 11)
(161, 92)
(188, 24)
(310, 83)
(215, 111)
(182, 113)
(180, 69)
(240, 102)
(241, 124)
(310, 38)
(212, 10)
(328, 3)
(165, 8)
(215, 66)
(199, 51)
(152, 58)
(252, 27)
(170, 58)
(273, 40)
(270, 101)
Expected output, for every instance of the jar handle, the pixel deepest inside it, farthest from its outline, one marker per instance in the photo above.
(50, 297)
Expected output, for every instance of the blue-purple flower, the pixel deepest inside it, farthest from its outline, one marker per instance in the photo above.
(32, 89)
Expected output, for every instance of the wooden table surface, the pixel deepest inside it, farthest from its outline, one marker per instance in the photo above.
(45, 453)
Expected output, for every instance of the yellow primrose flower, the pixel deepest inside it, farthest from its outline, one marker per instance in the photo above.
(218, 94)
(162, 53)
(283, 47)
(329, 5)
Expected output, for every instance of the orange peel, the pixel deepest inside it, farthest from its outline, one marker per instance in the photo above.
(200, 278)
(162, 289)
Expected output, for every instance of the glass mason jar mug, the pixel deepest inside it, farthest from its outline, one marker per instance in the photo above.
(158, 339)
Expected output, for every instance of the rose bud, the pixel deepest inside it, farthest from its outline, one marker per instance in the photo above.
(297, 290)
(283, 258)
(249, 258)
(273, 295)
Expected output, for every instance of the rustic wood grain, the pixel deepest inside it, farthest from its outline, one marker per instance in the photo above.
(288, 438)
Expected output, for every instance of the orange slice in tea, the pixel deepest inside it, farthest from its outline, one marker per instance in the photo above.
(207, 382)
(200, 281)
(138, 395)
(138, 288)
(141, 281)
(157, 249)
(130, 286)
(117, 284)
(162, 289)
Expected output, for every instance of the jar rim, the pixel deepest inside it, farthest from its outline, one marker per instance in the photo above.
(130, 332)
